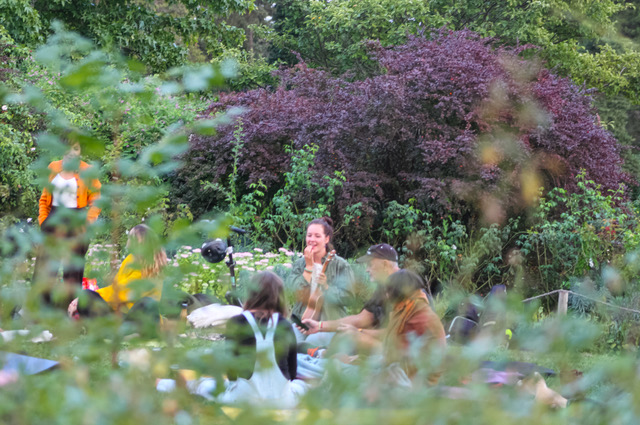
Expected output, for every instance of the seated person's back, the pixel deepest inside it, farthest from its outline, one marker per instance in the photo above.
(240, 333)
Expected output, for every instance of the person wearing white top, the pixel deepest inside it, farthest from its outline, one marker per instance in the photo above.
(264, 345)
(65, 192)
(65, 208)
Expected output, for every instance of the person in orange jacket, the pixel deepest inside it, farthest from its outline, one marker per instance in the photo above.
(66, 206)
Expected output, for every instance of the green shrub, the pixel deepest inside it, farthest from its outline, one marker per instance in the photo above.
(576, 235)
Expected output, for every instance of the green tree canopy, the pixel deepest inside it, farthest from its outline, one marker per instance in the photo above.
(158, 33)
(576, 37)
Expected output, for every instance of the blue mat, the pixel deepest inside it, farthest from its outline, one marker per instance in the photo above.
(24, 364)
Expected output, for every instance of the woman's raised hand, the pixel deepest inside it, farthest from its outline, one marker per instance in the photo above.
(309, 254)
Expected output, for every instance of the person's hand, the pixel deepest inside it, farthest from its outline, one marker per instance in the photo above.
(345, 358)
(309, 253)
(72, 310)
(314, 327)
(322, 281)
(346, 328)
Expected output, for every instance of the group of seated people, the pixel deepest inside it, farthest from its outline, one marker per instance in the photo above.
(398, 312)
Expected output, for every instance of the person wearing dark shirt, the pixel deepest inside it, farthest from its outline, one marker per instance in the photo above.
(381, 261)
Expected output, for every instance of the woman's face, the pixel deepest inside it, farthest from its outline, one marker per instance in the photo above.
(316, 237)
(74, 151)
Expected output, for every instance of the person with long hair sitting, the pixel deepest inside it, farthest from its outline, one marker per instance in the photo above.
(144, 266)
(410, 318)
(322, 280)
(138, 281)
(264, 346)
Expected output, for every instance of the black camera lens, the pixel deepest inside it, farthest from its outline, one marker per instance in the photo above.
(214, 251)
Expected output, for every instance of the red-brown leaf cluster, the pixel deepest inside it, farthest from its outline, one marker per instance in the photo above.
(416, 131)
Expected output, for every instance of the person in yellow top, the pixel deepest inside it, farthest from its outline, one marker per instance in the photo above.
(66, 206)
(139, 277)
(139, 273)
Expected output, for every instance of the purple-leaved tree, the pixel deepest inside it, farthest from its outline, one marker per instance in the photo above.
(454, 121)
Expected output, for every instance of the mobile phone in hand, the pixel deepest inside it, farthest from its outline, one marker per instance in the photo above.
(298, 322)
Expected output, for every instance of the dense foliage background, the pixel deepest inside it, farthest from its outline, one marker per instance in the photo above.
(399, 119)
(452, 122)
(489, 142)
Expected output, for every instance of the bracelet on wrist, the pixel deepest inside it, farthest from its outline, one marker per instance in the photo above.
(307, 270)
(320, 326)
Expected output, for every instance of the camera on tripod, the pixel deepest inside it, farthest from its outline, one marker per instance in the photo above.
(215, 251)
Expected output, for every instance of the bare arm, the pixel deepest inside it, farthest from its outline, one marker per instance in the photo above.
(362, 320)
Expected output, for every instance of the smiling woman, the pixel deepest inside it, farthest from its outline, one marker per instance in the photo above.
(315, 276)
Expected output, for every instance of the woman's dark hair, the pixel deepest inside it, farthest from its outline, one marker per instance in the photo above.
(266, 294)
(327, 226)
(402, 284)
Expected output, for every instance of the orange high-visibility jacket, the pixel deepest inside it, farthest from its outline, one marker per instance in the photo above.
(86, 195)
